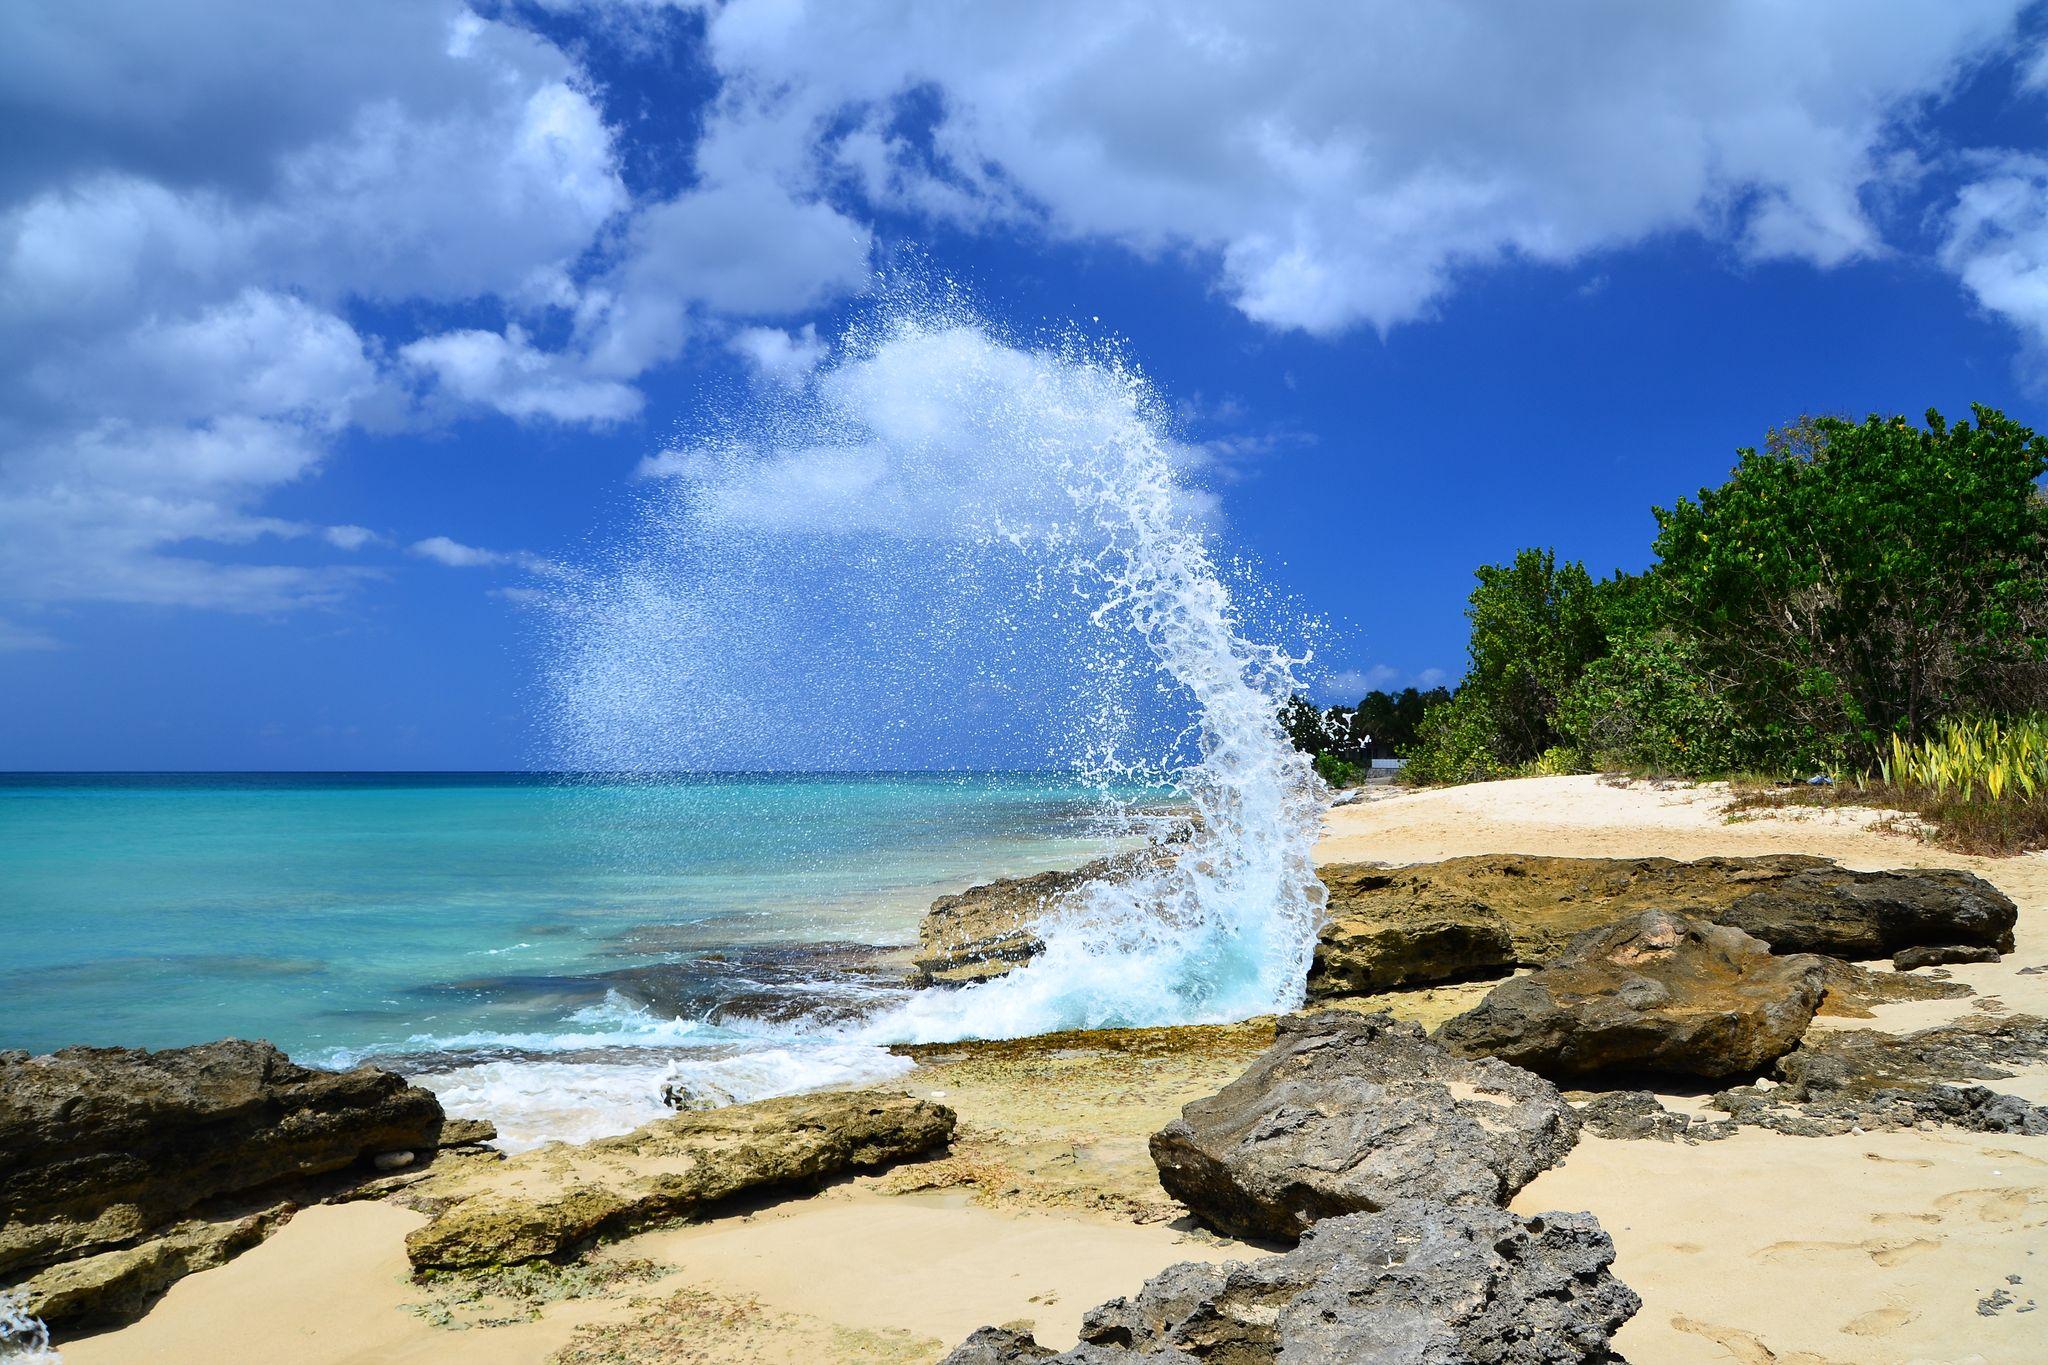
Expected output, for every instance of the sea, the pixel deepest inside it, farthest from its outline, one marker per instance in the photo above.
(544, 950)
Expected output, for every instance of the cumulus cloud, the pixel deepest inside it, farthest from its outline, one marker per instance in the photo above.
(1344, 164)
(455, 555)
(777, 356)
(1997, 245)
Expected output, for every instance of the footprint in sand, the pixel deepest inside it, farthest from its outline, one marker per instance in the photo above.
(1897, 1160)
(1878, 1322)
(1746, 1348)
(2008, 1204)
(1884, 1251)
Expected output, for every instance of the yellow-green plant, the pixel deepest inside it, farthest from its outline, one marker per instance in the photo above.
(1965, 757)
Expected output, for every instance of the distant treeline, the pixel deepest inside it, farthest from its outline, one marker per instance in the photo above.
(1346, 738)
(1849, 583)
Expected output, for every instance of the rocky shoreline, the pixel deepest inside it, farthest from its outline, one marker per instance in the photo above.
(1471, 1022)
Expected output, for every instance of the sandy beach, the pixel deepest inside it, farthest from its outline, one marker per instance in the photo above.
(1868, 1247)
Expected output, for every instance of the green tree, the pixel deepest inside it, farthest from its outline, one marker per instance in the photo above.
(1536, 624)
(1850, 581)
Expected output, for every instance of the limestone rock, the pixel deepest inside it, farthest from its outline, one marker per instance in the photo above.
(101, 1146)
(117, 1286)
(986, 931)
(1420, 1283)
(1659, 992)
(1795, 904)
(1348, 1113)
(549, 1202)
(1381, 943)
(1852, 992)
(1841, 1080)
(1907, 959)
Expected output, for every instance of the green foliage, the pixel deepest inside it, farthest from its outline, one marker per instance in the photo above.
(1337, 772)
(1650, 707)
(1850, 582)
(1972, 758)
(1460, 742)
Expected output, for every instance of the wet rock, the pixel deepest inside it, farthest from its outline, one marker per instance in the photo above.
(1853, 992)
(987, 931)
(1659, 993)
(1842, 1080)
(1637, 1115)
(99, 1147)
(1383, 943)
(118, 1286)
(549, 1202)
(1907, 959)
(1795, 904)
(1348, 1113)
(694, 1096)
(1420, 1283)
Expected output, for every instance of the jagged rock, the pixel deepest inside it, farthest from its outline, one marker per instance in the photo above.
(999, 1346)
(1348, 1113)
(1659, 992)
(989, 930)
(549, 1202)
(1852, 992)
(1420, 1283)
(101, 1146)
(1795, 904)
(694, 1096)
(1907, 959)
(1841, 1080)
(1380, 944)
(1637, 1115)
(117, 1286)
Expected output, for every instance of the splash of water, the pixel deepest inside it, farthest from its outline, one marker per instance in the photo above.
(942, 534)
(24, 1340)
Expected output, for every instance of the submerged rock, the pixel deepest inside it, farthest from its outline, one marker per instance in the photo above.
(1843, 1080)
(1348, 1113)
(1795, 904)
(106, 1155)
(989, 930)
(549, 1202)
(1660, 993)
(1420, 1283)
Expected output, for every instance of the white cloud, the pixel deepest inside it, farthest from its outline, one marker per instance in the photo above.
(350, 537)
(1341, 164)
(507, 372)
(455, 555)
(19, 639)
(777, 356)
(1997, 245)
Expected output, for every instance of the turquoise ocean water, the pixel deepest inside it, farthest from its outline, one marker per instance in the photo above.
(542, 950)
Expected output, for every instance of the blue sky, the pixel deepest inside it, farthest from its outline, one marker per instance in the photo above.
(328, 332)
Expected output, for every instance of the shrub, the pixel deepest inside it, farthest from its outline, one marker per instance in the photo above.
(1337, 772)
(1458, 742)
(1649, 707)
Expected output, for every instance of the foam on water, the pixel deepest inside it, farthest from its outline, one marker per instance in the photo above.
(942, 532)
(24, 1340)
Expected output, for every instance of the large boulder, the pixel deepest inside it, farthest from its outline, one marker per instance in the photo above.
(101, 1146)
(989, 930)
(1419, 1283)
(1348, 1113)
(1794, 903)
(1380, 942)
(1658, 992)
(549, 1202)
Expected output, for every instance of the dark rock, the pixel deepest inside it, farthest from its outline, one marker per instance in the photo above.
(1348, 1113)
(1842, 1080)
(548, 1203)
(99, 1147)
(1420, 1283)
(1381, 944)
(989, 930)
(1853, 992)
(1637, 1115)
(999, 1346)
(1906, 959)
(1660, 992)
(1795, 904)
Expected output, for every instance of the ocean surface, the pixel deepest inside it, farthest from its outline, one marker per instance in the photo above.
(544, 951)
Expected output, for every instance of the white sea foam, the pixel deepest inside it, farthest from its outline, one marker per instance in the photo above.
(945, 531)
(24, 1340)
(538, 1101)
